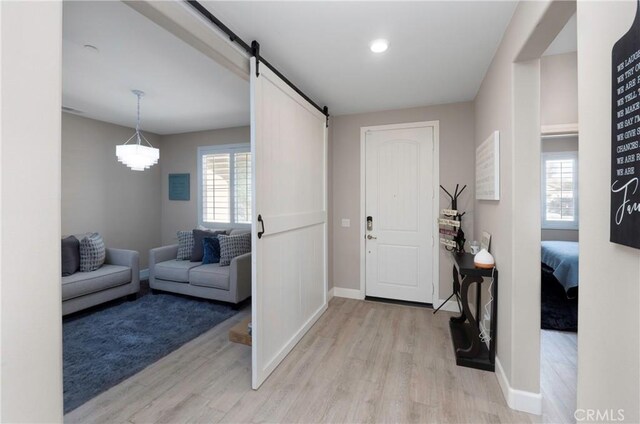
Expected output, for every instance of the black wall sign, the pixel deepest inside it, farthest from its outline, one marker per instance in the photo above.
(625, 138)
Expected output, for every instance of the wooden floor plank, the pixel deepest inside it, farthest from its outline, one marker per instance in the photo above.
(362, 362)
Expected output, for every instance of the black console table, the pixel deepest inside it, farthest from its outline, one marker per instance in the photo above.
(470, 351)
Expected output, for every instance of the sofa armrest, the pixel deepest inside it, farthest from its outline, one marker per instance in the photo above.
(122, 257)
(160, 254)
(130, 258)
(240, 277)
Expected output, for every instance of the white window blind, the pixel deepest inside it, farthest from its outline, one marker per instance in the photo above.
(216, 186)
(242, 187)
(560, 190)
(224, 187)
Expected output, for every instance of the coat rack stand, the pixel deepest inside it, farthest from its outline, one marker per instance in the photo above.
(457, 247)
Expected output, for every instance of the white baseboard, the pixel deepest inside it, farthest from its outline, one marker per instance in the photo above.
(330, 294)
(348, 293)
(518, 399)
(144, 274)
(450, 306)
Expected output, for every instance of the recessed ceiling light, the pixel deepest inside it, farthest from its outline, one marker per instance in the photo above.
(378, 46)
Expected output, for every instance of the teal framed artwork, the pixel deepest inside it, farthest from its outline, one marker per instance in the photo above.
(179, 186)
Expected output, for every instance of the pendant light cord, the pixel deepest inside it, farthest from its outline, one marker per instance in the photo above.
(138, 94)
(138, 135)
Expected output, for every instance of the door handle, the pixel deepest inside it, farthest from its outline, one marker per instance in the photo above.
(260, 233)
(370, 237)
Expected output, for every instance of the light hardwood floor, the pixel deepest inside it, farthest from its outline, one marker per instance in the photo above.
(558, 375)
(362, 362)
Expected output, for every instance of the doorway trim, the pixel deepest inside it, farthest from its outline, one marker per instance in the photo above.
(435, 200)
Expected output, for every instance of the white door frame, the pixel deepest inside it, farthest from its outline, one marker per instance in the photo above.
(435, 199)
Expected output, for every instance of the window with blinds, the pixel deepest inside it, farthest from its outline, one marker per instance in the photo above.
(560, 190)
(224, 185)
(242, 188)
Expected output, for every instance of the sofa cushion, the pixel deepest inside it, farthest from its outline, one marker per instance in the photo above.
(83, 283)
(174, 270)
(185, 245)
(237, 231)
(210, 275)
(92, 252)
(211, 250)
(198, 242)
(232, 246)
(70, 256)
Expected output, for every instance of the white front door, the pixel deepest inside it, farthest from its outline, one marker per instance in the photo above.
(399, 213)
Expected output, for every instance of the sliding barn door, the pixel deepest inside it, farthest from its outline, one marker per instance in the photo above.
(289, 144)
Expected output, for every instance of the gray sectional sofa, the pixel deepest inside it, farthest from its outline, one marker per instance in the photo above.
(118, 277)
(210, 281)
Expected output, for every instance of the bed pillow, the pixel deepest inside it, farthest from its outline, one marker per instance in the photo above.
(92, 252)
(198, 242)
(211, 253)
(232, 246)
(70, 256)
(185, 245)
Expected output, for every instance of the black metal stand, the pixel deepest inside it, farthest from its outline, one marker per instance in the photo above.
(456, 292)
(459, 237)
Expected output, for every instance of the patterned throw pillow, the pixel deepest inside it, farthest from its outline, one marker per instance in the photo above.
(232, 246)
(185, 245)
(92, 252)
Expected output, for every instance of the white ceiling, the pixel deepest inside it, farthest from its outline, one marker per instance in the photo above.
(185, 91)
(567, 39)
(438, 51)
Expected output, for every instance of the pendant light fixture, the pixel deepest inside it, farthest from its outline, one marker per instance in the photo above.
(137, 156)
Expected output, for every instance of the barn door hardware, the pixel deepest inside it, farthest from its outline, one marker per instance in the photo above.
(255, 52)
(260, 233)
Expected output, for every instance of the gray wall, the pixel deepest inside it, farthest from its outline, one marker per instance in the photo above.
(559, 89)
(609, 341)
(101, 194)
(494, 110)
(130, 209)
(457, 159)
(31, 354)
(178, 154)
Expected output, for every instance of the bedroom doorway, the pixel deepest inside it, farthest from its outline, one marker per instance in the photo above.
(539, 394)
(559, 218)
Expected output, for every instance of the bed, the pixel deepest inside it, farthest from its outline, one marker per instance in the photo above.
(562, 258)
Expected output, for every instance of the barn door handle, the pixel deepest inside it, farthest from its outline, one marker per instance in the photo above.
(260, 233)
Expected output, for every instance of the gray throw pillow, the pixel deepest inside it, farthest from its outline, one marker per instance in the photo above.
(198, 242)
(232, 246)
(70, 256)
(185, 245)
(92, 252)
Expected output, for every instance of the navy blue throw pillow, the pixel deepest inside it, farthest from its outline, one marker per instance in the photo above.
(211, 249)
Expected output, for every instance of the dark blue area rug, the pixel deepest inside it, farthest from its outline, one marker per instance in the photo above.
(559, 312)
(105, 346)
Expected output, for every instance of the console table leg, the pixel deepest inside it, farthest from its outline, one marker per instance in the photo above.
(456, 291)
(474, 335)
